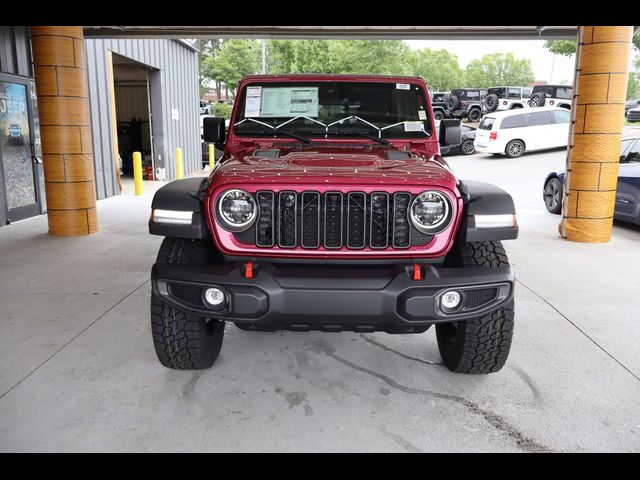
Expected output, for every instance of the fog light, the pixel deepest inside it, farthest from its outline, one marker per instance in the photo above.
(214, 297)
(450, 300)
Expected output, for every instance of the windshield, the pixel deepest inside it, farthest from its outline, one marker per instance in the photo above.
(380, 110)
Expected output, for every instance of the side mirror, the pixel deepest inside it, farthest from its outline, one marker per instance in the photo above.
(623, 158)
(213, 130)
(450, 132)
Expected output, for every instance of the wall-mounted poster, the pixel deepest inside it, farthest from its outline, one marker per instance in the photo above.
(15, 145)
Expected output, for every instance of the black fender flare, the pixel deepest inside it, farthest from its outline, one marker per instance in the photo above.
(482, 198)
(182, 195)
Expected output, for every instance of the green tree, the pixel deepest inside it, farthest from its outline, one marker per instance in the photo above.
(233, 60)
(496, 69)
(568, 47)
(439, 68)
(298, 56)
(389, 57)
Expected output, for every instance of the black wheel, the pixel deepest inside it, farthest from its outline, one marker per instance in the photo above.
(474, 115)
(514, 149)
(438, 115)
(491, 102)
(467, 147)
(480, 345)
(453, 102)
(183, 341)
(552, 196)
(538, 99)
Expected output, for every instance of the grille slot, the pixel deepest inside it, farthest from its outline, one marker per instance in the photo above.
(264, 228)
(356, 216)
(288, 219)
(333, 220)
(310, 220)
(379, 220)
(401, 226)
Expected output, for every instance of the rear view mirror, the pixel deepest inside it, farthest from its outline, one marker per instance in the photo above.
(213, 129)
(450, 132)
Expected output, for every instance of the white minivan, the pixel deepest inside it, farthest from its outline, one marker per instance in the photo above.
(515, 131)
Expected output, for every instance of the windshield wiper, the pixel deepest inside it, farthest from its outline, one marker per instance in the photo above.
(306, 140)
(362, 134)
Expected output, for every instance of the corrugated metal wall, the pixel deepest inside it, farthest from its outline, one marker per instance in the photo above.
(15, 51)
(173, 86)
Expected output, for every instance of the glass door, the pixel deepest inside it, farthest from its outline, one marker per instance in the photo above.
(16, 150)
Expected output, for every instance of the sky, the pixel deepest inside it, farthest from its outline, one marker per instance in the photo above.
(546, 66)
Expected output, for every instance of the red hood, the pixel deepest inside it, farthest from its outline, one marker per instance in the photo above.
(337, 167)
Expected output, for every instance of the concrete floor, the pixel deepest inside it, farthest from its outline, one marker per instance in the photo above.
(78, 371)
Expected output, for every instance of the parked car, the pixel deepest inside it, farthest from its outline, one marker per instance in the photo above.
(551, 96)
(629, 104)
(627, 204)
(466, 146)
(515, 131)
(506, 98)
(467, 103)
(439, 105)
(633, 114)
(15, 135)
(205, 107)
(332, 209)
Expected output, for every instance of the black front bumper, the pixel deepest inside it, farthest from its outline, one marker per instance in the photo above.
(334, 298)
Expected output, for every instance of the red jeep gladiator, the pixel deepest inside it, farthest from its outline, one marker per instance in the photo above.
(332, 209)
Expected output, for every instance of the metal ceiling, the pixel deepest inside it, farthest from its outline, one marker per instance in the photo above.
(337, 32)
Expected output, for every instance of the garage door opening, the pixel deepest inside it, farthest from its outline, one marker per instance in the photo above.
(133, 115)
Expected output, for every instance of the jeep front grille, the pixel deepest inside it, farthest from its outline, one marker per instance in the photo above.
(333, 220)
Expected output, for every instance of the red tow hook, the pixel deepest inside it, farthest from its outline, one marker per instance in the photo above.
(417, 273)
(248, 270)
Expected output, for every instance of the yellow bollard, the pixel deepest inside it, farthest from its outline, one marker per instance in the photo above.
(212, 157)
(179, 170)
(137, 172)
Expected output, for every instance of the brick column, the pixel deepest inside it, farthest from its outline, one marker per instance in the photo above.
(599, 92)
(65, 127)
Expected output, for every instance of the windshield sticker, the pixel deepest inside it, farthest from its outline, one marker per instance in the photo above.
(413, 126)
(403, 86)
(422, 115)
(252, 103)
(289, 102)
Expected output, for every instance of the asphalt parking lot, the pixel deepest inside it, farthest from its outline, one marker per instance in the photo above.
(78, 371)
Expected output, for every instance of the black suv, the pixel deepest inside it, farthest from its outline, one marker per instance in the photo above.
(467, 103)
(440, 105)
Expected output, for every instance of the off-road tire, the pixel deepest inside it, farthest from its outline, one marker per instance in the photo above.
(183, 341)
(474, 115)
(491, 102)
(480, 345)
(539, 98)
(453, 102)
(438, 115)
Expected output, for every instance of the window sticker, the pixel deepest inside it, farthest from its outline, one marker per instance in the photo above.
(413, 126)
(422, 115)
(403, 86)
(252, 103)
(289, 102)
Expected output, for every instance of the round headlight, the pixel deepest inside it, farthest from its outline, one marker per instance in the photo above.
(236, 210)
(430, 212)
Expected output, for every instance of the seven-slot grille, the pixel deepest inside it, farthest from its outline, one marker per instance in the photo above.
(333, 220)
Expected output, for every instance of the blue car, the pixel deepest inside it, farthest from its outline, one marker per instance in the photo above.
(627, 207)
